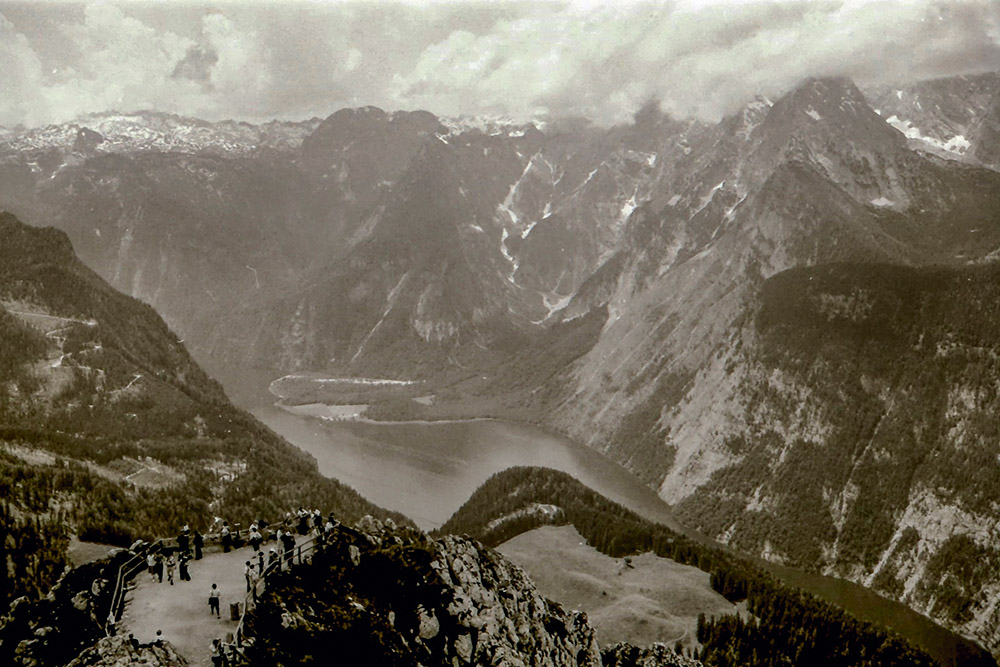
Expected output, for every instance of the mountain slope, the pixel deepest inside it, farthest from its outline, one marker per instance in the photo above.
(108, 427)
(868, 450)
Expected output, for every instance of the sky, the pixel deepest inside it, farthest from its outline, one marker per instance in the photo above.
(296, 59)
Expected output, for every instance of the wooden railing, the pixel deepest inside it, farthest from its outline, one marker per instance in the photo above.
(137, 561)
(126, 571)
(306, 547)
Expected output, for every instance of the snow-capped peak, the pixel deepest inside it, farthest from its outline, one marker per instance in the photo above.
(491, 125)
(147, 130)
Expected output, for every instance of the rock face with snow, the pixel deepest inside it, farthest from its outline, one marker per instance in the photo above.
(953, 117)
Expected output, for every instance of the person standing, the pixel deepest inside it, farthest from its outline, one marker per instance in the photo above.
(151, 564)
(248, 574)
(260, 561)
(216, 653)
(199, 543)
(183, 566)
(170, 570)
(226, 537)
(289, 551)
(303, 520)
(159, 567)
(214, 596)
(254, 578)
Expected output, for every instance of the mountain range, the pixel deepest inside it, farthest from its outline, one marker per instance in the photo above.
(780, 320)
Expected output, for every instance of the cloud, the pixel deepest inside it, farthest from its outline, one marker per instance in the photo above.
(22, 73)
(599, 60)
(696, 58)
(196, 65)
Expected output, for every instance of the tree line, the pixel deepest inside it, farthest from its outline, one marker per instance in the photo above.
(788, 626)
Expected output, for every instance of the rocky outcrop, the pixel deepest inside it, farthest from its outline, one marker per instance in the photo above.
(387, 596)
(500, 616)
(658, 655)
(56, 628)
(120, 652)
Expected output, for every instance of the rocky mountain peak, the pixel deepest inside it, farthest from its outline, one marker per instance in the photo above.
(827, 125)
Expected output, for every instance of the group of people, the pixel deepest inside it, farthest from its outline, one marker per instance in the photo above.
(190, 545)
(160, 562)
(168, 561)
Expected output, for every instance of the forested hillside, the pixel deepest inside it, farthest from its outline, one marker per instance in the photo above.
(870, 396)
(110, 431)
(788, 626)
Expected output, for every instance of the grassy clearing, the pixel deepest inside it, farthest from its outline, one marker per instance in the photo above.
(656, 600)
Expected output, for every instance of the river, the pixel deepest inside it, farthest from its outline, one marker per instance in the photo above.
(426, 470)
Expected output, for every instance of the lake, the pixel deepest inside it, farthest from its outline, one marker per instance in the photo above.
(426, 470)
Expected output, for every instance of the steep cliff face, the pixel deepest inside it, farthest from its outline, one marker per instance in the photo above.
(815, 177)
(867, 451)
(382, 596)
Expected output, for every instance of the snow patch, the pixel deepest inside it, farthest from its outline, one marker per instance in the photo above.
(882, 202)
(673, 200)
(629, 205)
(957, 144)
(708, 198)
(732, 209)
(812, 113)
(506, 253)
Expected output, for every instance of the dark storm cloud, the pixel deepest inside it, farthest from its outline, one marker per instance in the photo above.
(196, 65)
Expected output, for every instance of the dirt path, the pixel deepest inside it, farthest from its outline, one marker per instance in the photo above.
(181, 610)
